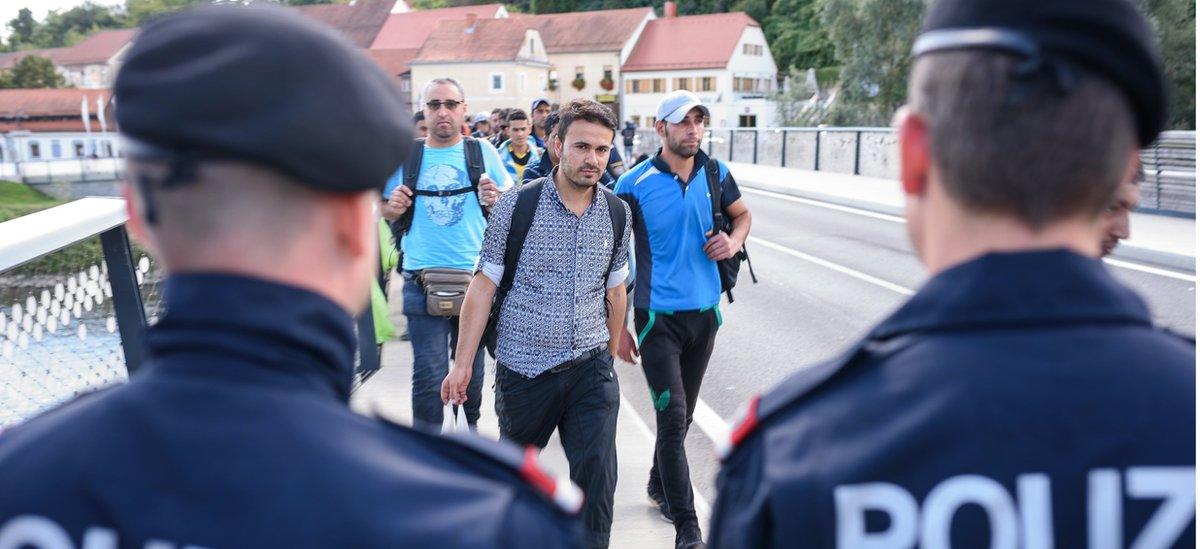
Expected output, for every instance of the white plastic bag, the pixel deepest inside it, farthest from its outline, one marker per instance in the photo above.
(454, 419)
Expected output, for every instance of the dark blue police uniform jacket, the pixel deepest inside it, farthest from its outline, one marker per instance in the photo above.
(1017, 400)
(237, 433)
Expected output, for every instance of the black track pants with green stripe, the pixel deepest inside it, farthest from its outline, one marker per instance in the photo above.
(675, 348)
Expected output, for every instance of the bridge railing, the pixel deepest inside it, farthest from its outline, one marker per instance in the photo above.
(1169, 165)
(76, 299)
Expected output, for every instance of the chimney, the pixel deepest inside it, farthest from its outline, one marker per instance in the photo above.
(669, 10)
(471, 23)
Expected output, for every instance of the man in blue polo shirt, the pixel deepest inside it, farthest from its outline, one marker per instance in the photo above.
(677, 289)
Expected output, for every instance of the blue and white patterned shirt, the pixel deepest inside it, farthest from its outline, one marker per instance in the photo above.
(555, 310)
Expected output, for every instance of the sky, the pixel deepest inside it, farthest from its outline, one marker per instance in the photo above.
(9, 9)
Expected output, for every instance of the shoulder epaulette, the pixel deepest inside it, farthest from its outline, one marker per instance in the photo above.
(524, 463)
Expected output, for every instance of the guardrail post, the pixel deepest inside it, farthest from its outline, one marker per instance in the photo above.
(368, 349)
(817, 156)
(756, 145)
(127, 298)
(857, 149)
(783, 151)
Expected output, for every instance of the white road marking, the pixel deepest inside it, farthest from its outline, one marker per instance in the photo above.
(896, 219)
(1150, 270)
(826, 205)
(711, 423)
(703, 509)
(833, 266)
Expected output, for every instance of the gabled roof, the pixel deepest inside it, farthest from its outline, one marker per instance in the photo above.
(688, 42)
(97, 48)
(359, 22)
(409, 30)
(8, 60)
(487, 40)
(393, 62)
(587, 31)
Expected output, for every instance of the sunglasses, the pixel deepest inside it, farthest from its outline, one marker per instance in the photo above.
(437, 105)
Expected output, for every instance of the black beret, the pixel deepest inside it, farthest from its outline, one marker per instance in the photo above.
(1110, 38)
(263, 85)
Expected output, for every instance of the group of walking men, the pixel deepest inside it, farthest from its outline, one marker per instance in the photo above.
(562, 290)
(1021, 397)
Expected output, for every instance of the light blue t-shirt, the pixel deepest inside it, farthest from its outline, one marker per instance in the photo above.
(447, 232)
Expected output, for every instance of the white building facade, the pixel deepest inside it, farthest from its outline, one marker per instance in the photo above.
(734, 80)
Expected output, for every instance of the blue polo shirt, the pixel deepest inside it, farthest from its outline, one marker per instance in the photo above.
(670, 219)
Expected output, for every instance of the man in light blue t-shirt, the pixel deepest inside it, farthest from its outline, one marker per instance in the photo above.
(446, 232)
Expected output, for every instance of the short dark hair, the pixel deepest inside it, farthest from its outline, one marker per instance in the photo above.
(1018, 146)
(551, 121)
(504, 117)
(588, 111)
(516, 114)
(418, 116)
(497, 110)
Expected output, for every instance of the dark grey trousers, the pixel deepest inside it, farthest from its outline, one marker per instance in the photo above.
(582, 403)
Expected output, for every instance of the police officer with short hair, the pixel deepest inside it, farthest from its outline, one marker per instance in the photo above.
(1022, 397)
(260, 203)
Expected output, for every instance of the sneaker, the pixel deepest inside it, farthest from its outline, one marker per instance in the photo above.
(688, 537)
(659, 501)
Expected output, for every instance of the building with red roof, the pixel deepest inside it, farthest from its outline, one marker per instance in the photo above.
(500, 62)
(48, 124)
(405, 32)
(722, 57)
(91, 64)
(586, 50)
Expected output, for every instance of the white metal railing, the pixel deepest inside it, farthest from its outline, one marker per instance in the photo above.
(31, 236)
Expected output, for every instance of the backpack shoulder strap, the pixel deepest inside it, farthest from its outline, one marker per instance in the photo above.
(412, 171)
(713, 171)
(474, 153)
(412, 168)
(518, 229)
(616, 212)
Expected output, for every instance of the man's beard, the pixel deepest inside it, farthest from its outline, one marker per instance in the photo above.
(446, 134)
(683, 152)
(578, 180)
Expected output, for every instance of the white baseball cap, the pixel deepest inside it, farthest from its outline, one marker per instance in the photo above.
(675, 105)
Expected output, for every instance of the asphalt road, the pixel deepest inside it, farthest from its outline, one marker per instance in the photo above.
(826, 275)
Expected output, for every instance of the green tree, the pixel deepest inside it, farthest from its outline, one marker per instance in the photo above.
(872, 40)
(553, 6)
(797, 36)
(22, 28)
(139, 11)
(65, 28)
(1174, 23)
(32, 71)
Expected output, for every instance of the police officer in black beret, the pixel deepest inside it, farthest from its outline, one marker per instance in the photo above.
(1022, 397)
(258, 143)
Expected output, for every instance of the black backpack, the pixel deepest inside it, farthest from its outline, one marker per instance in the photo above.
(727, 267)
(518, 229)
(412, 171)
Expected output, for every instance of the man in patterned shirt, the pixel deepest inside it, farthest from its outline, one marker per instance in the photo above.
(561, 317)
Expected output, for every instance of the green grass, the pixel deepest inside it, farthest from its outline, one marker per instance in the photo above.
(18, 199)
